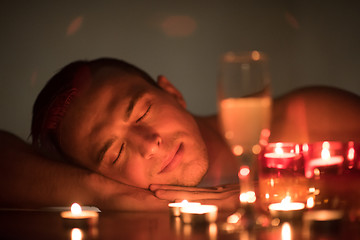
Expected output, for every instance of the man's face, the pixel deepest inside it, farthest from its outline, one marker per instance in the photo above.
(131, 131)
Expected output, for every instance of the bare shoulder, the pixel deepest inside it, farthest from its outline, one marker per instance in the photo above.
(8, 139)
(319, 93)
(316, 113)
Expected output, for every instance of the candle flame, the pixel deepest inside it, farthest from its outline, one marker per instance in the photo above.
(287, 205)
(76, 209)
(310, 202)
(286, 200)
(325, 154)
(305, 147)
(279, 150)
(326, 145)
(351, 157)
(351, 153)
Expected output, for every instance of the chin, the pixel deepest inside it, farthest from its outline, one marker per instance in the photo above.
(193, 174)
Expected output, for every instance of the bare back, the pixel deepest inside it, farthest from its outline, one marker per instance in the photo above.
(315, 114)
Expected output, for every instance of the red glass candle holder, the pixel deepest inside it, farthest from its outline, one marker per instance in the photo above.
(281, 174)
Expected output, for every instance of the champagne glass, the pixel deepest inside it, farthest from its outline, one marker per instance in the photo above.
(244, 103)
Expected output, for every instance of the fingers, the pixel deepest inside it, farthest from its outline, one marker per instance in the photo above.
(228, 201)
(226, 197)
(173, 195)
(156, 187)
(221, 188)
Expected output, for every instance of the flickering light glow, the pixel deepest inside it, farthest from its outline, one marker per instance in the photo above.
(305, 147)
(248, 197)
(76, 234)
(255, 55)
(310, 203)
(325, 154)
(244, 172)
(286, 231)
(238, 150)
(351, 155)
(256, 149)
(175, 207)
(76, 209)
(286, 205)
(233, 218)
(199, 213)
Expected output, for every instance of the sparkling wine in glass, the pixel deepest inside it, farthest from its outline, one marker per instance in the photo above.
(244, 103)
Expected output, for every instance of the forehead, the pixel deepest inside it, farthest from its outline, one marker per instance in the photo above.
(94, 108)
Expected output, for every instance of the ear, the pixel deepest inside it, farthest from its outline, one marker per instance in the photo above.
(167, 86)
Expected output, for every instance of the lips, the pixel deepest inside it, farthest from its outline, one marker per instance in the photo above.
(173, 161)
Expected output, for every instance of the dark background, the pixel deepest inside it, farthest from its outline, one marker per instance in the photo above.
(308, 43)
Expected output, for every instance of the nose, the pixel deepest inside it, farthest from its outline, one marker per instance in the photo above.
(150, 145)
(146, 140)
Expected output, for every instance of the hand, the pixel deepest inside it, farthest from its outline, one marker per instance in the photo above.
(226, 197)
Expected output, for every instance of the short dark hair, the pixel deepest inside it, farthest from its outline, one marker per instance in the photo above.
(53, 100)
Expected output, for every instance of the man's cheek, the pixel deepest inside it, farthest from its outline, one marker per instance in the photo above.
(137, 175)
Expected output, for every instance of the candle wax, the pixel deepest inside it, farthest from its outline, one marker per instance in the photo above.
(199, 214)
(175, 207)
(320, 162)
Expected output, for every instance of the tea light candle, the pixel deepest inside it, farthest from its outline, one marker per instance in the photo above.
(286, 209)
(175, 207)
(326, 160)
(196, 214)
(278, 158)
(78, 217)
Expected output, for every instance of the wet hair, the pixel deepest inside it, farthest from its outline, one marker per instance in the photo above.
(52, 102)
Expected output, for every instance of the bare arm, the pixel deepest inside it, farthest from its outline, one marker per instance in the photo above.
(29, 180)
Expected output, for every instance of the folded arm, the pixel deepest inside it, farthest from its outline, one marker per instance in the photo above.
(29, 180)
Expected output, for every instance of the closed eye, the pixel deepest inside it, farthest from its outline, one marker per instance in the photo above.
(144, 115)
(119, 154)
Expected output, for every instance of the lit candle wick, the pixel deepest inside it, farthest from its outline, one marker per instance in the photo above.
(279, 150)
(76, 209)
(286, 201)
(325, 154)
